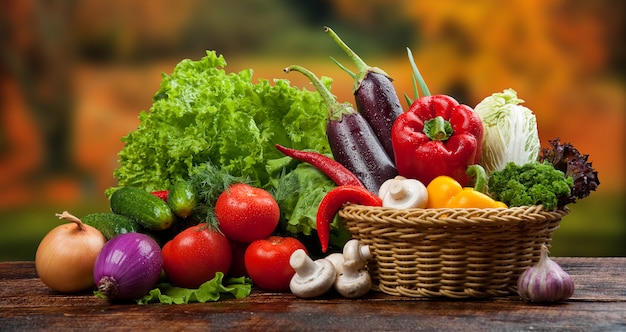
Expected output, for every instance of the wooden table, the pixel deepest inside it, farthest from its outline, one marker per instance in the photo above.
(598, 304)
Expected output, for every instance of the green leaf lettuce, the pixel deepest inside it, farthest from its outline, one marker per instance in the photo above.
(209, 291)
(203, 114)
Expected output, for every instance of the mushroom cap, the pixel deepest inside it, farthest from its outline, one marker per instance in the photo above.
(316, 284)
(384, 188)
(406, 194)
(351, 287)
(337, 259)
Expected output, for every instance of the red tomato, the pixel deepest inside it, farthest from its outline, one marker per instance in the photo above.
(246, 213)
(267, 262)
(194, 255)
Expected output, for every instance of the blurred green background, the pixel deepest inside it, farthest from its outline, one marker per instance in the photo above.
(74, 76)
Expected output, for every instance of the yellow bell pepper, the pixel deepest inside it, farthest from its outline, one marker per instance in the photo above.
(445, 192)
(470, 198)
(441, 190)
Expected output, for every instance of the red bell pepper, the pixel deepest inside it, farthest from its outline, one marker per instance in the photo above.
(437, 136)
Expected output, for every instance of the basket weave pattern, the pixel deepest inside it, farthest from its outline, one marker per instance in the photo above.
(457, 253)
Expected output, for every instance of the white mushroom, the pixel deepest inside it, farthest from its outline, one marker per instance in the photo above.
(359, 253)
(353, 283)
(337, 260)
(384, 188)
(312, 278)
(405, 194)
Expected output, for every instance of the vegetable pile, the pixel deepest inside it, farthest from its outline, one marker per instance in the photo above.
(227, 183)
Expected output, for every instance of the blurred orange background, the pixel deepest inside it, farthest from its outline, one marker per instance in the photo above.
(75, 75)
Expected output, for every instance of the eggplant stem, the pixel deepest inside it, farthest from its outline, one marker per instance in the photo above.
(417, 74)
(353, 75)
(335, 108)
(360, 64)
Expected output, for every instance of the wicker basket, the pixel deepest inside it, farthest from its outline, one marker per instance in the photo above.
(457, 253)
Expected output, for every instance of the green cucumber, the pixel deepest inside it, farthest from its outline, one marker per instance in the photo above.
(182, 199)
(111, 224)
(143, 207)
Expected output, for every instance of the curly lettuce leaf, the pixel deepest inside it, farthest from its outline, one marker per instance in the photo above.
(209, 291)
(203, 114)
(298, 194)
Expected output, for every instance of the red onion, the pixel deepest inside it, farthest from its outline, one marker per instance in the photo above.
(128, 266)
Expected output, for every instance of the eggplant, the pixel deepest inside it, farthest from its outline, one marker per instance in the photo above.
(352, 140)
(375, 96)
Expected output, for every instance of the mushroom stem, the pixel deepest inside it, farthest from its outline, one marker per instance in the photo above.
(355, 251)
(397, 189)
(350, 269)
(312, 278)
(303, 264)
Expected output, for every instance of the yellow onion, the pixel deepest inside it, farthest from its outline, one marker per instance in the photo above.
(66, 256)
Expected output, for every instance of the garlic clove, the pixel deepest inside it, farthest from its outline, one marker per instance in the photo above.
(545, 282)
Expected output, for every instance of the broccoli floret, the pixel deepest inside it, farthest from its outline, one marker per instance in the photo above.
(530, 184)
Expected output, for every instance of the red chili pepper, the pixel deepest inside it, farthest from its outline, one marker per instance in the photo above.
(332, 168)
(162, 194)
(333, 201)
(437, 136)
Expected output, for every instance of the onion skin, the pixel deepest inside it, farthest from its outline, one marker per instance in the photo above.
(128, 266)
(66, 256)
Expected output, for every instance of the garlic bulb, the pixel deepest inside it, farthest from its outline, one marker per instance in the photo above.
(545, 282)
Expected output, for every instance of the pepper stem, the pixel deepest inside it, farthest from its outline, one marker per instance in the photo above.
(335, 108)
(438, 129)
(478, 174)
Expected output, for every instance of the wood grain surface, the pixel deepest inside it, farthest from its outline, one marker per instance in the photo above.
(598, 304)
